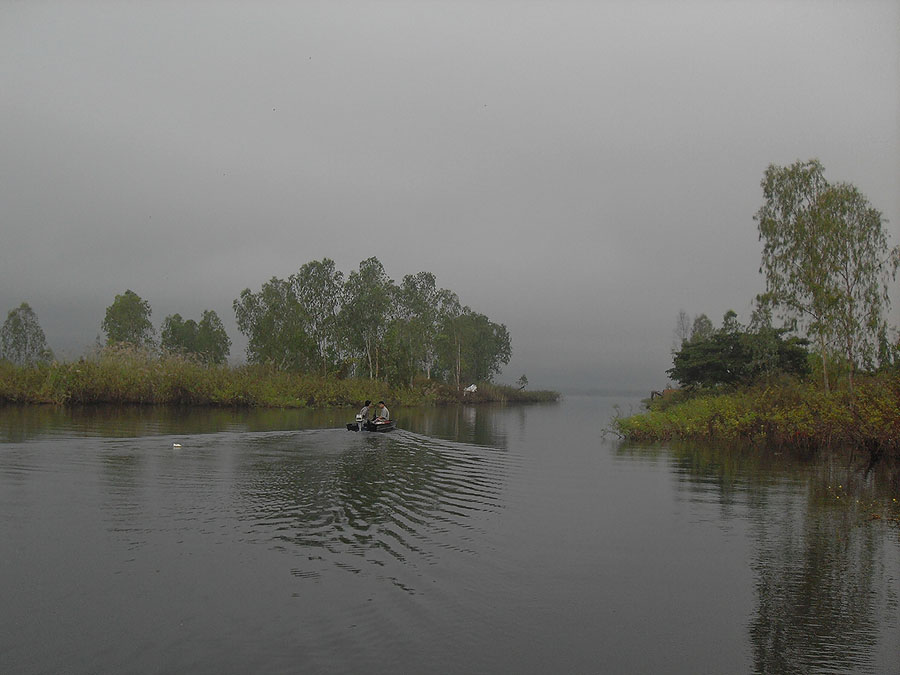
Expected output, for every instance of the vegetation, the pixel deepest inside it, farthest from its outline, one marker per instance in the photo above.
(122, 374)
(206, 340)
(826, 262)
(22, 339)
(315, 321)
(736, 354)
(785, 412)
(127, 321)
(315, 339)
(827, 266)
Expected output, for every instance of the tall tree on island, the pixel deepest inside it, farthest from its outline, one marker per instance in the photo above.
(213, 343)
(22, 340)
(207, 340)
(318, 287)
(273, 319)
(826, 261)
(366, 312)
(127, 321)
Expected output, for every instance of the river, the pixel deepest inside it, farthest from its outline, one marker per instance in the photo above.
(484, 539)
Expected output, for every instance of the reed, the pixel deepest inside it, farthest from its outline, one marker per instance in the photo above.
(125, 375)
(784, 414)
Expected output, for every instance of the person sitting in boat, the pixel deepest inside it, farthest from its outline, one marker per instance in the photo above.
(364, 411)
(383, 413)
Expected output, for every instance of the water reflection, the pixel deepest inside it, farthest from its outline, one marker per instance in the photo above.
(824, 555)
(269, 536)
(26, 423)
(480, 425)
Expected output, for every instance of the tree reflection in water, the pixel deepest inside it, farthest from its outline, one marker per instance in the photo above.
(824, 566)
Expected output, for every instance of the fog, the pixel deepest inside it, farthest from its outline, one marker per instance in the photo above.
(577, 171)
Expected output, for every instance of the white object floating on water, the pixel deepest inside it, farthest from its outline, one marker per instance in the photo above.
(176, 445)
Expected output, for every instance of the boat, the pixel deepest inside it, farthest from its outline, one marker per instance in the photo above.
(377, 424)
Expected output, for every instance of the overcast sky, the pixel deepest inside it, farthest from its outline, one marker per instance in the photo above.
(579, 171)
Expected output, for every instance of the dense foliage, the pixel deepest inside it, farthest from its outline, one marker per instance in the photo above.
(124, 375)
(736, 354)
(22, 340)
(826, 262)
(206, 340)
(827, 266)
(127, 321)
(784, 413)
(316, 321)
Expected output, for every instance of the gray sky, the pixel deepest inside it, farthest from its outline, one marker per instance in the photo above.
(579, 171)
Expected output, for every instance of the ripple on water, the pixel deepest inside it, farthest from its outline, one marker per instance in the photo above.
(365, 503)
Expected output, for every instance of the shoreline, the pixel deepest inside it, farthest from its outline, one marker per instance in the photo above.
(130, 378)
(784, 414)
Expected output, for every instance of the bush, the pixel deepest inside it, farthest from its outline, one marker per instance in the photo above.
(787, 413)
(122, 374)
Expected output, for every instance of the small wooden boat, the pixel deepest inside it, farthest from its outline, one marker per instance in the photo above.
(377, 424)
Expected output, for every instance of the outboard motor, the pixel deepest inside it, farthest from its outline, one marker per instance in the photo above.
(358, 425)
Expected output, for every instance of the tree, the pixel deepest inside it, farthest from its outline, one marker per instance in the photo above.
(22, 340)
(522, 381)
(178, 335)
(274, 321)
(318, 287)
(826, 261)
(682, 330)
(412, 334)
(702, 327)
(207, 340)
(473, 348)
(213, 343)
(366, 312)
(128, 321)
(735, 354)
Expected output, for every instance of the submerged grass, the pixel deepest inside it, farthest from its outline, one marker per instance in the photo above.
(782, 414)
(130, 376)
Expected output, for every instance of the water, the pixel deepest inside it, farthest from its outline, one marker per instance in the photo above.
(472, 540)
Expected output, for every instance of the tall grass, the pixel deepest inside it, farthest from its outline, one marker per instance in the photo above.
(788, 413)
(122, 375)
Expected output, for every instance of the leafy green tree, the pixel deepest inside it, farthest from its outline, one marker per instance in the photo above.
(178, 335)
(522, 381)
(473, 348)
(734, 354)
(22, 340)
(213, 343)
(826, 261)
(366, 312)
(411, 338)
(206, 340)
(127, 321)
(318, 287)
(274, 322)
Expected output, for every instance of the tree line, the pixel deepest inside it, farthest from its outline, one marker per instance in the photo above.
(315, 321)
(367, 325)
(827, 267)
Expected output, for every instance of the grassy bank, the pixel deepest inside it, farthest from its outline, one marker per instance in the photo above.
(123, 376)
(784, 414)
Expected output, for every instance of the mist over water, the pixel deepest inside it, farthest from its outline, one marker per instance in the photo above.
(472, 539)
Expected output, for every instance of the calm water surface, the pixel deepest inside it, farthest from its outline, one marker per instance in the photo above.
(472, 540)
